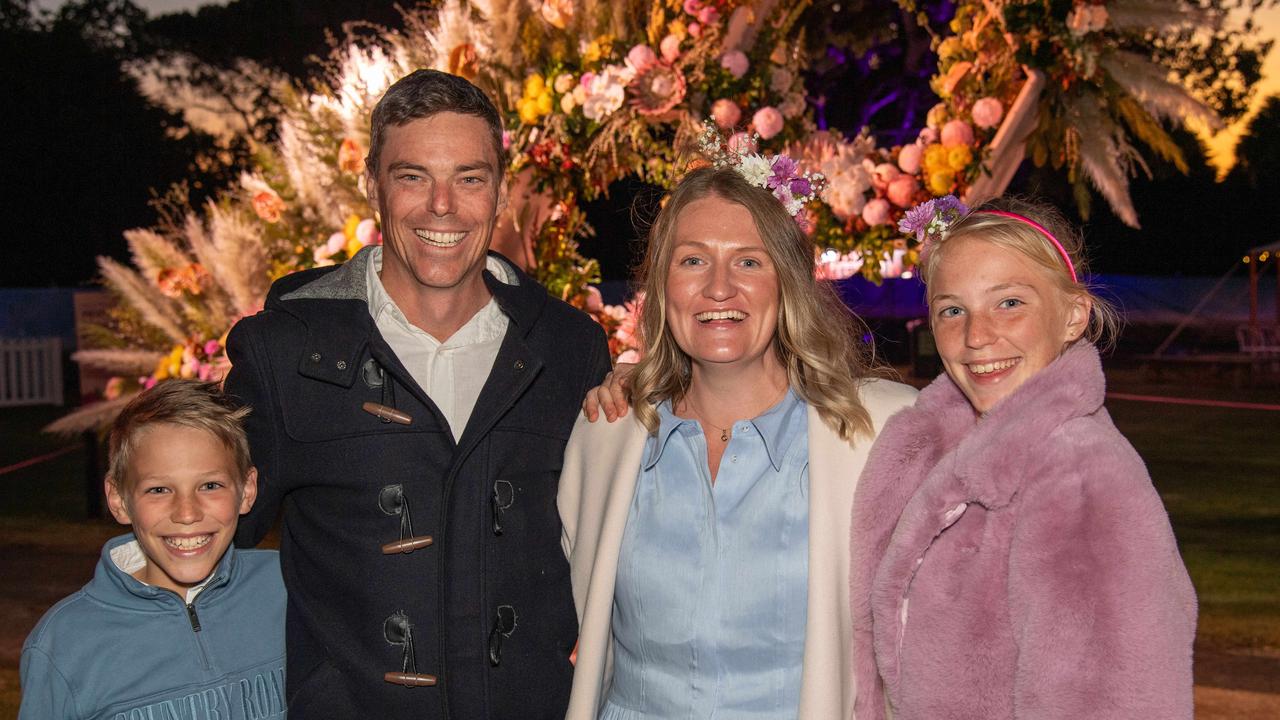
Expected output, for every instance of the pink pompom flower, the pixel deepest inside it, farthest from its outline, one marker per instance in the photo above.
(902, 190)
(768, 122)
(876, 212)
(641, 57)
(725, 113)
(957, 132)
(909, 158)
(735, 61)
(987, 113)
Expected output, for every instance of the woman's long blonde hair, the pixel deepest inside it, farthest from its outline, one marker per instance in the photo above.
(818, 339)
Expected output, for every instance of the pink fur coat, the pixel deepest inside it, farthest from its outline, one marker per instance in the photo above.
(1017, 566)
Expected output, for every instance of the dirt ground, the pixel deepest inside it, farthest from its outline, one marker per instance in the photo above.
(42, 563)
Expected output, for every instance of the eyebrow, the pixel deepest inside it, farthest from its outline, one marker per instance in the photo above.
(993, 289)
(463, 168)
(736, 247)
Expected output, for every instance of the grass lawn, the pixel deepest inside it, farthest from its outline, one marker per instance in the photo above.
(1218, 470)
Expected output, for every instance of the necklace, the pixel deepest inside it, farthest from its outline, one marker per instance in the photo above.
(724, 432)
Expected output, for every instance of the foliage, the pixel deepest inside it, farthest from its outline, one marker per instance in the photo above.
(596, 92)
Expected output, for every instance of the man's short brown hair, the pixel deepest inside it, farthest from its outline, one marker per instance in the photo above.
(187, 403)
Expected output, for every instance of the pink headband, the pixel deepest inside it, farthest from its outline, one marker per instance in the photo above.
(1043, 231)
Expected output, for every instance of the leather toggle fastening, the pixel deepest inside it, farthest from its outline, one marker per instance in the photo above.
(408, 545)
(398, 630)
(504, 623)
(386, 414)
(391, 500)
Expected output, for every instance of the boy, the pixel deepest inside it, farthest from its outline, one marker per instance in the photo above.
(175, 623)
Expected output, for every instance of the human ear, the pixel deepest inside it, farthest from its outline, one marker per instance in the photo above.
(1079, 309)
(115, 502)
(249, 490)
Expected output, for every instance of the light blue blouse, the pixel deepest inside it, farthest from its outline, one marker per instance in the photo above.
(710, 603)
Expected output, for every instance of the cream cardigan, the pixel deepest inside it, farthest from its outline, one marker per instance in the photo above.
(597, 485)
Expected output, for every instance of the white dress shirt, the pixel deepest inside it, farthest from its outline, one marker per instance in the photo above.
(452, 372)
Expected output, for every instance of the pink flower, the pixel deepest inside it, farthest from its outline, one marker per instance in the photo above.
(742, 144)
(884, 174)
(692, 6)
(987, 113)
(909, 158)
(928, 136)
(726, 113)
(957, 132)
(902, 191)
(708, 15)
(657, 89)
(876, 212)
(641, 57)
(670, 48)
(211, 348)
(594, 302)
(695, 30)
(735, 61)
(768, 122)
(367, 232)
(336, 242)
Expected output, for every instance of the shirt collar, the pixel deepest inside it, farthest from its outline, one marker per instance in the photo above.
(487, 324)
(129, 558)
(774, 425)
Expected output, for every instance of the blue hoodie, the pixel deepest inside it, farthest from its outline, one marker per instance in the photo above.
(121, 650)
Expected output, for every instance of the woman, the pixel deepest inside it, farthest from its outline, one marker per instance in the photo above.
(1010, 556)
(706, 532)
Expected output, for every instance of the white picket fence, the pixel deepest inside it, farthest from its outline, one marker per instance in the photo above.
(30, 372)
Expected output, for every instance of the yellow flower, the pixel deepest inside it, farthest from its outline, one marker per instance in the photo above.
(598, 49)
(935, 157)
(941, 182)
(959, 157)
(528, 110)
(534, 85)
(679, 29)
(349, 228)
(543, 104)
(352, 247)
(170, 365)
(949, 48)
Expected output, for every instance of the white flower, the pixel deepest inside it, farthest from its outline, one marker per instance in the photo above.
(606, 93)
(756, 169)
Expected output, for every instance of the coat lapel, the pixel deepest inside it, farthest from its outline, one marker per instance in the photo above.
(595, 517)
(833, 474)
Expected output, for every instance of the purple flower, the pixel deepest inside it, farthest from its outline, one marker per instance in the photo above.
(784, 169)
(932, 218)
(800, 187)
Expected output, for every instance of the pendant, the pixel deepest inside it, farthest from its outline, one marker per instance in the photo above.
(724, 435)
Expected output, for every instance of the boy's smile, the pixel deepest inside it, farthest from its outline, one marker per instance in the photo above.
(183, 505)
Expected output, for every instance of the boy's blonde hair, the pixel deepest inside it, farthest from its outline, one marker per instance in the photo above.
(187, 403)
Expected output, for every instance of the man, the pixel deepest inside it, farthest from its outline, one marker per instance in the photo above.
(410, 411)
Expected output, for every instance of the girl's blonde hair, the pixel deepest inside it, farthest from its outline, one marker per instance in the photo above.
(818, 339)
(1014, 234)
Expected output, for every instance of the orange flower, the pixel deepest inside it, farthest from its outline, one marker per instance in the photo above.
(463, 61)
(268, 206)
(350, 157)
